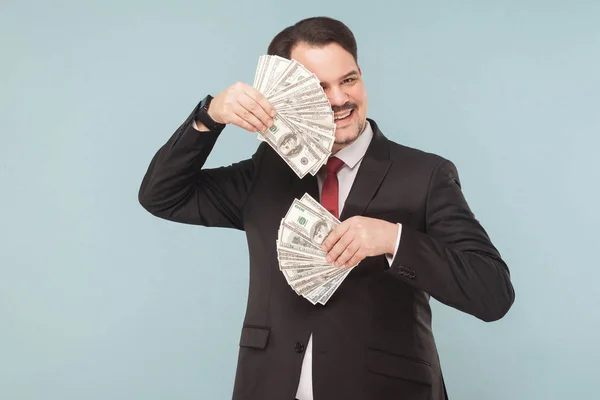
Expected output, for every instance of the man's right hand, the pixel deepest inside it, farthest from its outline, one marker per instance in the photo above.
(241, 105)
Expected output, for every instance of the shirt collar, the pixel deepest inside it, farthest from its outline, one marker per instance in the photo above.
(354, 152)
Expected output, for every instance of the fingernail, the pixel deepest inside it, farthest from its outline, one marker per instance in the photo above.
(271, 123)
(328, 258)
(273, 113)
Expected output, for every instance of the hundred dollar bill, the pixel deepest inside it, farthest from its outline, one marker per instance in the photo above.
(303, 265)
(319, 292)
(304, 84)
(308, 201)
(293, 73)
(289, 246)
(284, 267)
(294, 238)
(296, 151)
(270, 72)
(291, 251)
(303, 286)
(298, 98)
(305, 282)
(294, 267)
(303, 251)
(261, 71)
(299, 259)
(323, 293)
(306, 91)
(319, 107)
(333, 287)
(259, 67)
(321, 104)
(308, 224)
(278, 65)
(288, 255)
(295, 275)
(313, 138)
(289, 262)
(326, 141)
(320, 116)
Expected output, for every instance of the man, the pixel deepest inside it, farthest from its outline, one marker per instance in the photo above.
(403, 216)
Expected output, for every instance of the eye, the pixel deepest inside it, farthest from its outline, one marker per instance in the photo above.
(349, 80)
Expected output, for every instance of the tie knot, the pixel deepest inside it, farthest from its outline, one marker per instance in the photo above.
(334, 164)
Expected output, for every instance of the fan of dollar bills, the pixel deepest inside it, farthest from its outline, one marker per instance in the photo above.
(304, 130)
(301, 234)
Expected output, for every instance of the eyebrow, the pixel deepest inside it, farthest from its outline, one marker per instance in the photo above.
(349, 74)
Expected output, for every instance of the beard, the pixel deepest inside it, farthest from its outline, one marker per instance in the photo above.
(359, 130)
(361, 125)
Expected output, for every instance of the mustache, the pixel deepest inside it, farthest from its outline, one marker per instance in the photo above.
(345, 106)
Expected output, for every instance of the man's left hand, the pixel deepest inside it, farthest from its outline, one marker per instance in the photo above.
(359, 237)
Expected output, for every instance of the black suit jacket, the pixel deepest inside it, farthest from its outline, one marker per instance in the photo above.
(373, 339)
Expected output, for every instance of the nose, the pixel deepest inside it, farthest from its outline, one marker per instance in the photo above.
(336, 96)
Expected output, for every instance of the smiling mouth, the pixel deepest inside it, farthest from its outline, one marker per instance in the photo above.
(343, 116)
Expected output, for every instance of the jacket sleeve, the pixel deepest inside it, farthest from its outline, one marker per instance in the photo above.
(454, 260)
(176, 188)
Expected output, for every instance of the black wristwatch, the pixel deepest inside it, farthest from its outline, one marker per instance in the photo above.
(202, 115)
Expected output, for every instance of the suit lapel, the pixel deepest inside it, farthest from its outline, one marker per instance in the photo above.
(371, 173)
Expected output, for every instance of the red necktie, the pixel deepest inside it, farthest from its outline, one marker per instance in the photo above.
(330, 190)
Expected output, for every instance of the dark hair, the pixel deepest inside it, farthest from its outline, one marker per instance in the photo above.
(315, 31)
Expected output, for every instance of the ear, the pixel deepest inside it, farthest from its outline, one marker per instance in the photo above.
(359, 70)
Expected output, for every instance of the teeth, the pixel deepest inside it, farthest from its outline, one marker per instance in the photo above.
(343, 116)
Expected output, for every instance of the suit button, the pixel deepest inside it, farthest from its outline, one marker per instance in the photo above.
(299, 347)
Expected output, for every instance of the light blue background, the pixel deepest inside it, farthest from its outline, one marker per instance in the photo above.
(100, 300)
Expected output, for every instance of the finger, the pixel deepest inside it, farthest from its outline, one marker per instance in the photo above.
(255, 109)
(262, 101)
(335, 235)
(339, 247)
(356, 258)
(247, 116)
(348, 253)
(237, 120)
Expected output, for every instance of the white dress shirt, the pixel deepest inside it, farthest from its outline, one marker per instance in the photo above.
(352, 156)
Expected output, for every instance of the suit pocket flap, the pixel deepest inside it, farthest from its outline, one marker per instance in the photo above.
(399, 367)
(254, 336)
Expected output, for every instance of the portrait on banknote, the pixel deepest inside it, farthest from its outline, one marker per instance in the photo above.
(290, 145)
(319, 232)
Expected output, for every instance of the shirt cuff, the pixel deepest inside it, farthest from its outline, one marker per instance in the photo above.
(390, 257)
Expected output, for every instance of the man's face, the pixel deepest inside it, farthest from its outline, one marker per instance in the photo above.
(341, 80)
(320, 234)
(287, 145)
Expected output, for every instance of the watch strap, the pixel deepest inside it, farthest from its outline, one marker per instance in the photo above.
(202, 115)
